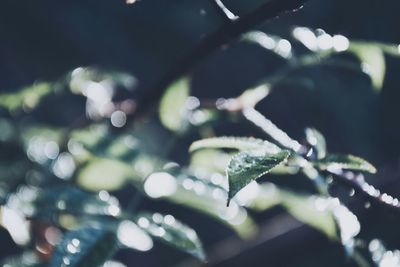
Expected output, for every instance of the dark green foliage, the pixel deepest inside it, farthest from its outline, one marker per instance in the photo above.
(84, 247)
(70, 175)
(172, 232)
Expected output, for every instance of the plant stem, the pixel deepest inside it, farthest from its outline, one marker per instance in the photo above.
(226, 34)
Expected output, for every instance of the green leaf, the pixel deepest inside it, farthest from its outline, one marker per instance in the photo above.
(28, 97)
(248, 166)
(327, 215)
(347, 162)
(104, 174)
(69, 200)
(172, 105)
(239, 143)
(84, 247)
(27, 259)
(207, 194)
(212, 160)
(172, 232)
(305, 209)
(373, 59)
(317, 140)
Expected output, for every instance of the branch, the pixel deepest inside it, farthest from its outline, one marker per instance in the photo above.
(223, 10)
(227, 33)
(358, 183)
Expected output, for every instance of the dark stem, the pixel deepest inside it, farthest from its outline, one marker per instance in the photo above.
(226, 34)
(358, 183)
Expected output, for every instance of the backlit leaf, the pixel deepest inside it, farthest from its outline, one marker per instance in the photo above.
(327, 215)
(71, 200)
(347, 162)
(172, 105)
(28, 97)
(248, 166)
(239, 143)
(84, 247)
(305, 209)
(172, 232)
(27, 259)
(104, 174)
(373, 60)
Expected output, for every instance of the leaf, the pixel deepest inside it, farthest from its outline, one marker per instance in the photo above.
(26, 259)
(84, 247)
(317, 140)
(348, 162)
(28, 97)
(71, 200)
(207, 194)
(248, 166)
(172, 105)
(305, 209)
(172, 232)
(212, 160)
(240, 143)
(327, 215)
(104, 174)
(373, 60)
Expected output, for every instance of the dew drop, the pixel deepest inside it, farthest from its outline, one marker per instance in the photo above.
(352, 192)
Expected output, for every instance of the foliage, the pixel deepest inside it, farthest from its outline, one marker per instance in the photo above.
(69, 177)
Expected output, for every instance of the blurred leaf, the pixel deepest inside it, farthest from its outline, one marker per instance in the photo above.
(305, 209)
(212, 160)
(104, 174)
(248, 166)
(347, 162)
(173, 103)
(71, 200)
(50, 133)
(80, 77)
(11, 175)
(172, 232)
(373, 60)
(27, 259)
(90, 136)
(259, 197)
(327, 215)
(28, 97)
(317, 141)
(240, 143)
(207, 194)
(84, 247)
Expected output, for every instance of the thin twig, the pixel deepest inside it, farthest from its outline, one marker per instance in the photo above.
(223, 10)
(226, 34)
(358, 183)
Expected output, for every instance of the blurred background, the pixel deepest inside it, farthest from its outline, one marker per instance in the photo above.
(42, 40)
